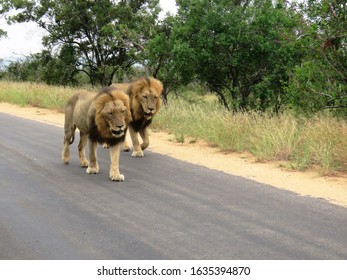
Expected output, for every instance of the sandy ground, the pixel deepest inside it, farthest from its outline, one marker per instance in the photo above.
(333, 189)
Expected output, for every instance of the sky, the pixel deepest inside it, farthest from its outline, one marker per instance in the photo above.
(25, 38)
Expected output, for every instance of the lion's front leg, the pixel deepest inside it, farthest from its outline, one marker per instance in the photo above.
(145, 138)
(93, 166)
(137, 151)
(114, 168)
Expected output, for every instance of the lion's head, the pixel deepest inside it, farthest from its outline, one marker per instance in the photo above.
(145, 94)
(112, 113)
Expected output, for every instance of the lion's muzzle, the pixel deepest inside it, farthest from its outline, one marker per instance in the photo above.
(119, 132)
(149, 114)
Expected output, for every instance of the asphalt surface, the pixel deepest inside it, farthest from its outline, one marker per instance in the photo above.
(165, 209)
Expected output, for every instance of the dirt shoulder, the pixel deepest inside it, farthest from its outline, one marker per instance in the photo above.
(333, 189)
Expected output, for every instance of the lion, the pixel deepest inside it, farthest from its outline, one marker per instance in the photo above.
(145, 101)
(101, 118)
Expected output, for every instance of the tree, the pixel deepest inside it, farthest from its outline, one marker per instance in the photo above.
(237, 48)
(3, 10)
(158, 56)
(106, 35)
(320, 82)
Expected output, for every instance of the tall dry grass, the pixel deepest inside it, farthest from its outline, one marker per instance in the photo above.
(319, 142)
(38, 95)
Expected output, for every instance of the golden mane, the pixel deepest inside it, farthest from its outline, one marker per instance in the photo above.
(135, 88)
(109, 95)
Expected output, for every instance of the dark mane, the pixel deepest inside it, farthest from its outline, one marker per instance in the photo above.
(94, 135)
(140, 124)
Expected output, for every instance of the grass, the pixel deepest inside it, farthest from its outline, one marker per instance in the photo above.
(38, 95)
(318, 142)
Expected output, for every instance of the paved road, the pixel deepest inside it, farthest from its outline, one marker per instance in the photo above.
(166, 208)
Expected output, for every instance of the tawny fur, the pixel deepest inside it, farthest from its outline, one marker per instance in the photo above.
(145, 102)
(102, 117)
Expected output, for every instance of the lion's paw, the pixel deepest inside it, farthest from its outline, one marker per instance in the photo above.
(65, 157)
(92, 170)
(137, 154)
(126, 147)
(84, 163)
(119, 177)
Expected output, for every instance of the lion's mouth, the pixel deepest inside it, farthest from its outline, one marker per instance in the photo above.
(148, 115)
(117, 133)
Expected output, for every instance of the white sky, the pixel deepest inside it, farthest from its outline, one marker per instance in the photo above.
(25, 38)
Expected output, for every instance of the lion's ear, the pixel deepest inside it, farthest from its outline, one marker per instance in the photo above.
(157, 85)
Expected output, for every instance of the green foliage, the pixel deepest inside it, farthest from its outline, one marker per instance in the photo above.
(315, 86)
(106, 36)
(157, 56)
(237, 50)
(2, 33)
(320, 81)
(4, 8)
(43, 67)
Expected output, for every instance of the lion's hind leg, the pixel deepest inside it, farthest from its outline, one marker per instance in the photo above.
(145, 138)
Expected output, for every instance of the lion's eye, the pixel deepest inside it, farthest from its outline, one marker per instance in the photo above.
(145, 97)
(110, 114)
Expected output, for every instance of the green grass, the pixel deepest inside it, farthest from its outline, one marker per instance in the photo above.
(318, 142)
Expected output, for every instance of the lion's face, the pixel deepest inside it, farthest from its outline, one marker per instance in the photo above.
(149, 102)
(114, 114)
(145, 97)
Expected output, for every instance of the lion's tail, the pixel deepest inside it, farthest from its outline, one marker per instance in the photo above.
(72, 139)
(69, 136)
(69, 126)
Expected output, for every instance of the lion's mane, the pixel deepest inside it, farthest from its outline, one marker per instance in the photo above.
(98, 127)
(134, 90)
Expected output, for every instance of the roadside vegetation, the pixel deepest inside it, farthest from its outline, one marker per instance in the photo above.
(299, 142)
(37, 95)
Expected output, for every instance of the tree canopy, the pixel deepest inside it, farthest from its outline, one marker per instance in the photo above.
(254, 55)
(104, 36)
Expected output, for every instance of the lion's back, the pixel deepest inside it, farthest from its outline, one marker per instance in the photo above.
(78, 107)
(120, 86)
